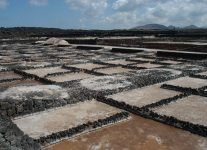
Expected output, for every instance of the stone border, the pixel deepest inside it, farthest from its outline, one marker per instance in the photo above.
(203, 63)
(199, 91)
(191, 56)
(11, 80)
(32, 76)
(74, 69)
(199, 76)
(11, 137)
(38, 67)
(166, 101)
(160, 63)
(138, 61)
(125, 50)
(137, 83)
(147, 56)
(57, 74)
(82, 128)
(119, 65)
(5, 70)
(10, 108)
(147, 113)
(21, 108)
(89, 47)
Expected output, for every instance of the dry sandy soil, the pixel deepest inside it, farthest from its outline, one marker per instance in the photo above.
(70, 77)
(188, 82)
(144, 96)
(113, 70)
(44, 71)
(191, 109)
(60, 119)
(137, 133)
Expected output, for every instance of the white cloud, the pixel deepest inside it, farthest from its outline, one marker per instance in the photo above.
(3, 4)
(127, 4)
(91, 8)
(175, 12)
(121, 19)
(129, 13)
(120, 3)
(38, 2)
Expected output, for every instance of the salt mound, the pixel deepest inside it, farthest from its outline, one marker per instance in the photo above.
(54, 41)
(34, 92)
(106, 82)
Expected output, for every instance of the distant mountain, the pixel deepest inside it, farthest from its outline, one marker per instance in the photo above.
(152, 27)
(163, 27)
(172, 27)
(191, 27)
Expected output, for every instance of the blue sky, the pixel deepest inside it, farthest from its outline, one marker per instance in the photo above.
(101, 14)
